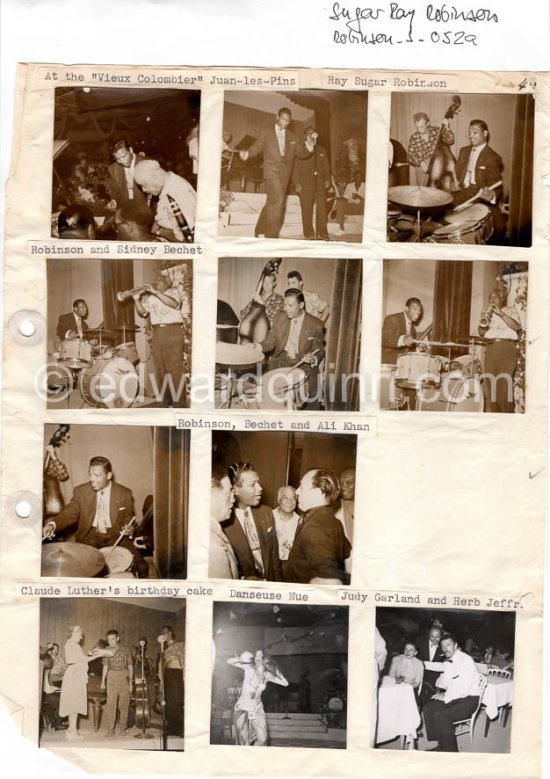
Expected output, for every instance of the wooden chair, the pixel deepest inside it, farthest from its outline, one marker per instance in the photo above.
(470, 721)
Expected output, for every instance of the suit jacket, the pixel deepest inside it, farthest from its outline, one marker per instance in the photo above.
(67, 322)
(118, 188)
(488, 168)
(303, 173)
(320, 548)
(423, 653)
(312, 336)
(265, 525)
(393, 328)
(82, 509)
(276, 164)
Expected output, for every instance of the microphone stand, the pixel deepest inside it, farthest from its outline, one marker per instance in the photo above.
(163, 700)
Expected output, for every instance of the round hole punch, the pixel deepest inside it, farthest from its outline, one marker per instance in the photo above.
(23, 507)
(27, 327)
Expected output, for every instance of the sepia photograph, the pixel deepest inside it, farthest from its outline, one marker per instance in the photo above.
(461, 168)
(293, 164)
(454, 336)
(119, 333)
(112, 673)
(125, 164)
(280, 675)
(282, 506)
(444, 679)
(288, 334)
(115, 501)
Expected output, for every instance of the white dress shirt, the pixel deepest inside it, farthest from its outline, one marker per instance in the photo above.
(460, 677)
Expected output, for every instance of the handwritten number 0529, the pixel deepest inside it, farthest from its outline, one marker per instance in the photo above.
(451, 37)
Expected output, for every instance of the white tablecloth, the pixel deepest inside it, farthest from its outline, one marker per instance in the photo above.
(498, 693)
(397, 711)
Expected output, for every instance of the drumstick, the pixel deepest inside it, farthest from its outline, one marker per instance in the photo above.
(300, 361)
(466, 203)
(119, 539)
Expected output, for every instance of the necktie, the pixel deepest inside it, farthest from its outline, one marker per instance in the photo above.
(79, 326)
(281, 139)
(292, 345)
(470, 178)
(101, 523)
(253, 540)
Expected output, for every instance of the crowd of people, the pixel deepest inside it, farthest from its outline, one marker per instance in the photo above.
(306, 538)
(445, 674)
(93, 197)
(65, 682)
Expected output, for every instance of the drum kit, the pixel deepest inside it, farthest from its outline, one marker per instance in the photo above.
(422, 216)
(275, 390)
(64, 558)
(106, 376)
(435, 382)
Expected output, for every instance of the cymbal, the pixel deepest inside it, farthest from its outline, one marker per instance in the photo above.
(237, 354)
(419, 197)
(443, 343)
(475, 339)
(127, 328)
(99, 331)
(68, 559)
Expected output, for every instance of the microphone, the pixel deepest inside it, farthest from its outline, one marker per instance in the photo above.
(142, 643)
(161, 639)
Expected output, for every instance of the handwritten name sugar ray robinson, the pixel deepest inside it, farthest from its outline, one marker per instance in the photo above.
(397, 24)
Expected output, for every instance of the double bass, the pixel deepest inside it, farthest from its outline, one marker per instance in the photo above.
(255, 325)
(54, 472)
(442, 159)
(142, 710)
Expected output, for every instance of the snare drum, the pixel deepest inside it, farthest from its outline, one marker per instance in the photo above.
(417, 369)
(118, 561)
(456, 393)
(110, 382)
(468, 365)
(473, 225)
(279, 388)
(128, 351)
(75, 353)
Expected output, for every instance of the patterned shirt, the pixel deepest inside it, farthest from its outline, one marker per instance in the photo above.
(121, 659)
(273, 304)
(159, 312)
(175, 651)
(315, 305)
(421, 149)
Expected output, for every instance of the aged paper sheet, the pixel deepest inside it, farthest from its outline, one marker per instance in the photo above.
(446, 524)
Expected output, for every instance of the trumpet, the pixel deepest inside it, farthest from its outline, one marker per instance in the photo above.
(486, 315)
(128, 293)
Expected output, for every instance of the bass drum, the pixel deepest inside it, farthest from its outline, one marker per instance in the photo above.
(456, 393)
(109, 383)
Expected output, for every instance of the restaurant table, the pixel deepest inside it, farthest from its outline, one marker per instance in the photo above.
(397, 711)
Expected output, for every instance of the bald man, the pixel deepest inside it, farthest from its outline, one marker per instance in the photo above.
(175, 217)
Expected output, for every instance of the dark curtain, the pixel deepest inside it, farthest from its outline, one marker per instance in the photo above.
(344, 338)
(452, 300)
(171, 501)
(117, 276)
(521, 186)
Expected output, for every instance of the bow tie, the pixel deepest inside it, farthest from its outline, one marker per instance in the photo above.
(448, 661)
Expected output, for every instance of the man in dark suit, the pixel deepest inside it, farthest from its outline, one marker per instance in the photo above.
(251, 529)
(122, 185)
(429, 650)
(101, 510)
(279, 148)
(296, 336)
(399, 331)
(73, 325)
(478, 168)
(311, 178)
